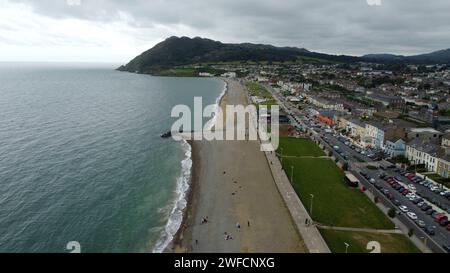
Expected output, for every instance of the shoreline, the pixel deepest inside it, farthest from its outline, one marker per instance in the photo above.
(188, 212)
(231, 183)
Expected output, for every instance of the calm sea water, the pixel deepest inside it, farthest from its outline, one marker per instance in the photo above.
(81, 158)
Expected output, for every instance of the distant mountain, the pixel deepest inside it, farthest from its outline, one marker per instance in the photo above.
(441, 56)
(181, 51)
(437, 57)
(385, 56)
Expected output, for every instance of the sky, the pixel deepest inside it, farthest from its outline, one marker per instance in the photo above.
(116, 31)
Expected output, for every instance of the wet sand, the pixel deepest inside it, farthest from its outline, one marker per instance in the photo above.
(232, 183)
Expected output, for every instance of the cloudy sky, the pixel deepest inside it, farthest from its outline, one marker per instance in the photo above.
(117, 30)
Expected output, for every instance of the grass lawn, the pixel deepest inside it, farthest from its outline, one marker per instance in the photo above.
(256, 89)
(335, 204)
(299, 147)
(390, 243)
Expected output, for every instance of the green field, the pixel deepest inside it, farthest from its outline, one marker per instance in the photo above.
(255, 89)
(179, 72)
(335, 204)
(390, 243)
(298, 147)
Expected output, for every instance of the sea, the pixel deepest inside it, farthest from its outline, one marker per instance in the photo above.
(82, 161)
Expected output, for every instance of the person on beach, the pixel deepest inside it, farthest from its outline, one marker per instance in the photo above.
(248, 223)
(238, 226)
(204, 220)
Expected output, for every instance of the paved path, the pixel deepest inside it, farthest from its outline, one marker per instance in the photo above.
(368, 230)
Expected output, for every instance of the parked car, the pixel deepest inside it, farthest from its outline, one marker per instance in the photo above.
(430, 211)
(404, 208)
(412, 215)
(430, 230)
(412, 198)
(420, 223)
(412, 187)
(446, 248)
(396, 202)
(444, 223)
(440, 217)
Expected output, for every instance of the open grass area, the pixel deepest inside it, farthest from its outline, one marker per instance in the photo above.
(390, 243)
(335, 204)
(298, 147)
(179, 72)
(256, 89)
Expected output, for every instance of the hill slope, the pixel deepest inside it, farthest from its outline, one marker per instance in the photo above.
(184, 51)
(437, 57)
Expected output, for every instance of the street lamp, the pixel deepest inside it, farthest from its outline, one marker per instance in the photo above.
(425, 240)
(346, 247)
(311, 208)
(292, 174)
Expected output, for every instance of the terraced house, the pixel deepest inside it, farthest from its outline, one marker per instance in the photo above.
(443, 165)
(423, 152)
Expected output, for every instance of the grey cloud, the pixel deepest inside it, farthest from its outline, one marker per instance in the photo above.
(344, 26)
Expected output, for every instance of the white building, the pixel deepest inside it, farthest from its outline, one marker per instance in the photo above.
(423, 152)
(229, 75)
(395, 148)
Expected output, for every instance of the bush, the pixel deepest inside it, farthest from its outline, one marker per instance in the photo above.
(345, 166)
(392, 213)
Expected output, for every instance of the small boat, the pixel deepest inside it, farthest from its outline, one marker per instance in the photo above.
(166, 135)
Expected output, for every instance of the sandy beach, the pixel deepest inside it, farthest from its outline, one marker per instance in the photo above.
(232, 184)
